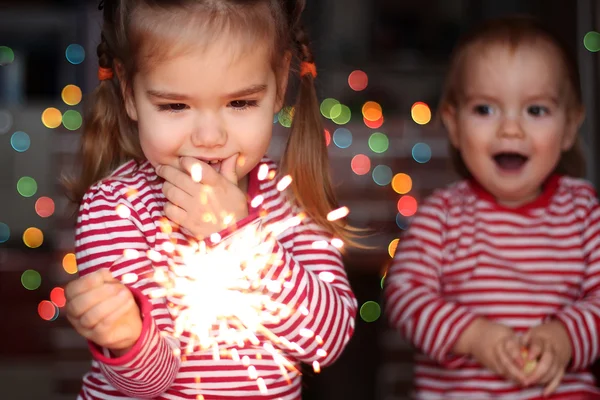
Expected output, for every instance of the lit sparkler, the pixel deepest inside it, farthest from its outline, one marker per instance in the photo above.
(224, 298)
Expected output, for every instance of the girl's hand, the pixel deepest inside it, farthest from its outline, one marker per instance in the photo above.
(548, 343)
(201, 199)
(103, 310)
(498, 348)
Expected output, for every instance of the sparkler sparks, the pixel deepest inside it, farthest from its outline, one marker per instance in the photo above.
(223, 294)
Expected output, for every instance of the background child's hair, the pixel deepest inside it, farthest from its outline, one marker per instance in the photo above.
(513, 32)
(138, 33)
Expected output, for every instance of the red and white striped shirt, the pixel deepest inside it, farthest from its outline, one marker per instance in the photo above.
(152, 369)
(465, 255)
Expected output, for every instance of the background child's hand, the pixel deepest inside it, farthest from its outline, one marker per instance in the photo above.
(103, 310)
(498, 348)
(206, 204)
(548, 343)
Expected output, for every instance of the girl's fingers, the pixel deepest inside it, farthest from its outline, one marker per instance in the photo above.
(543, 367)
(511, 370)
(178, 178)
(103, 310)
(553, 385)
(176, 195)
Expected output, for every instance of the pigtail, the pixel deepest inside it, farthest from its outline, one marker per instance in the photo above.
(104, 143)
(305, 157)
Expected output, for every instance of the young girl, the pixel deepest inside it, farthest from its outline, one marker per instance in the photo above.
(497, 281)
(172, 156)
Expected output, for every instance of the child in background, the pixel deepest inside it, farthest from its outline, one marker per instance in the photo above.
(178, 128)
(497, 280)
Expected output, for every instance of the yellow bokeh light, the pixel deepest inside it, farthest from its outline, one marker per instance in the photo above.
(70, 263)
(420, 113)
(71, 95)
(402, 183)
(51, 118)
(392, 247)
(33, 238)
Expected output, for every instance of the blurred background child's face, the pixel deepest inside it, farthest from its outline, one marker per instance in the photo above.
(513, 120)
(207, 103)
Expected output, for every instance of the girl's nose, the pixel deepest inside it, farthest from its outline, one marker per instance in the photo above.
(208, 132)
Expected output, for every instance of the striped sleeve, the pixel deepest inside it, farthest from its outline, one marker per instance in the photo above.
(317, 290)
(106, 240)
(582, 318)
(414, 302)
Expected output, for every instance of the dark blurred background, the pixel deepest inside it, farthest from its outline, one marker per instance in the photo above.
(401, 46)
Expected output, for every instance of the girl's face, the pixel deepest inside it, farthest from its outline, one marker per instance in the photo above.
(208, 103)
(513, 120)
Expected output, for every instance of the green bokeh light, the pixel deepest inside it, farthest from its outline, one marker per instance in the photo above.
(379, 142)
(327, 105)
(591, 41)
(31, 279)
(343, 116)
(370, 311)
(27, 186)
(286, 116)
(7, 55)
(72, 120)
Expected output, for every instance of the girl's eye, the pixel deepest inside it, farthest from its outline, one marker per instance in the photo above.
(175, 107)
(537, 111)
(482, 109)
(242, 104)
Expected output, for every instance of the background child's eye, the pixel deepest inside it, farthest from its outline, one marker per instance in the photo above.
(482, 109)
(537, 111)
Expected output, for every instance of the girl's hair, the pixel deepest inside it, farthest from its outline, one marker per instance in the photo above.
(138, 33)
(513, 32)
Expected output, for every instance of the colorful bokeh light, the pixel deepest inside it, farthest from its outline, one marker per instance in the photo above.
(51, 117)
(47, 310)
(358, 80)
(44, 207)
(327, 137)
(382, 175)
(402, 183)
(31, 279)
(402, 221)
(342, 138)
(361, 164)
(392, 247)
(407, 206)
(71, 95)
(72, 120)
(57, 296)
(374, 124)
(6, 121)
(326, 106)
(341, 114)
(7, 56)
(75, 54)
(286, 116)
(370, 311)
(372, 111)
(33, 238)
(420, 113)
(27, 186)
(379, 142)
(421, 153)
(20, 141)
(69, 263)
(4, 232)
(591, 41)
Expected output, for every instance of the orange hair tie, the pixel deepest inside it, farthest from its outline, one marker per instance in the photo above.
(308, 68)
(105, 74)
